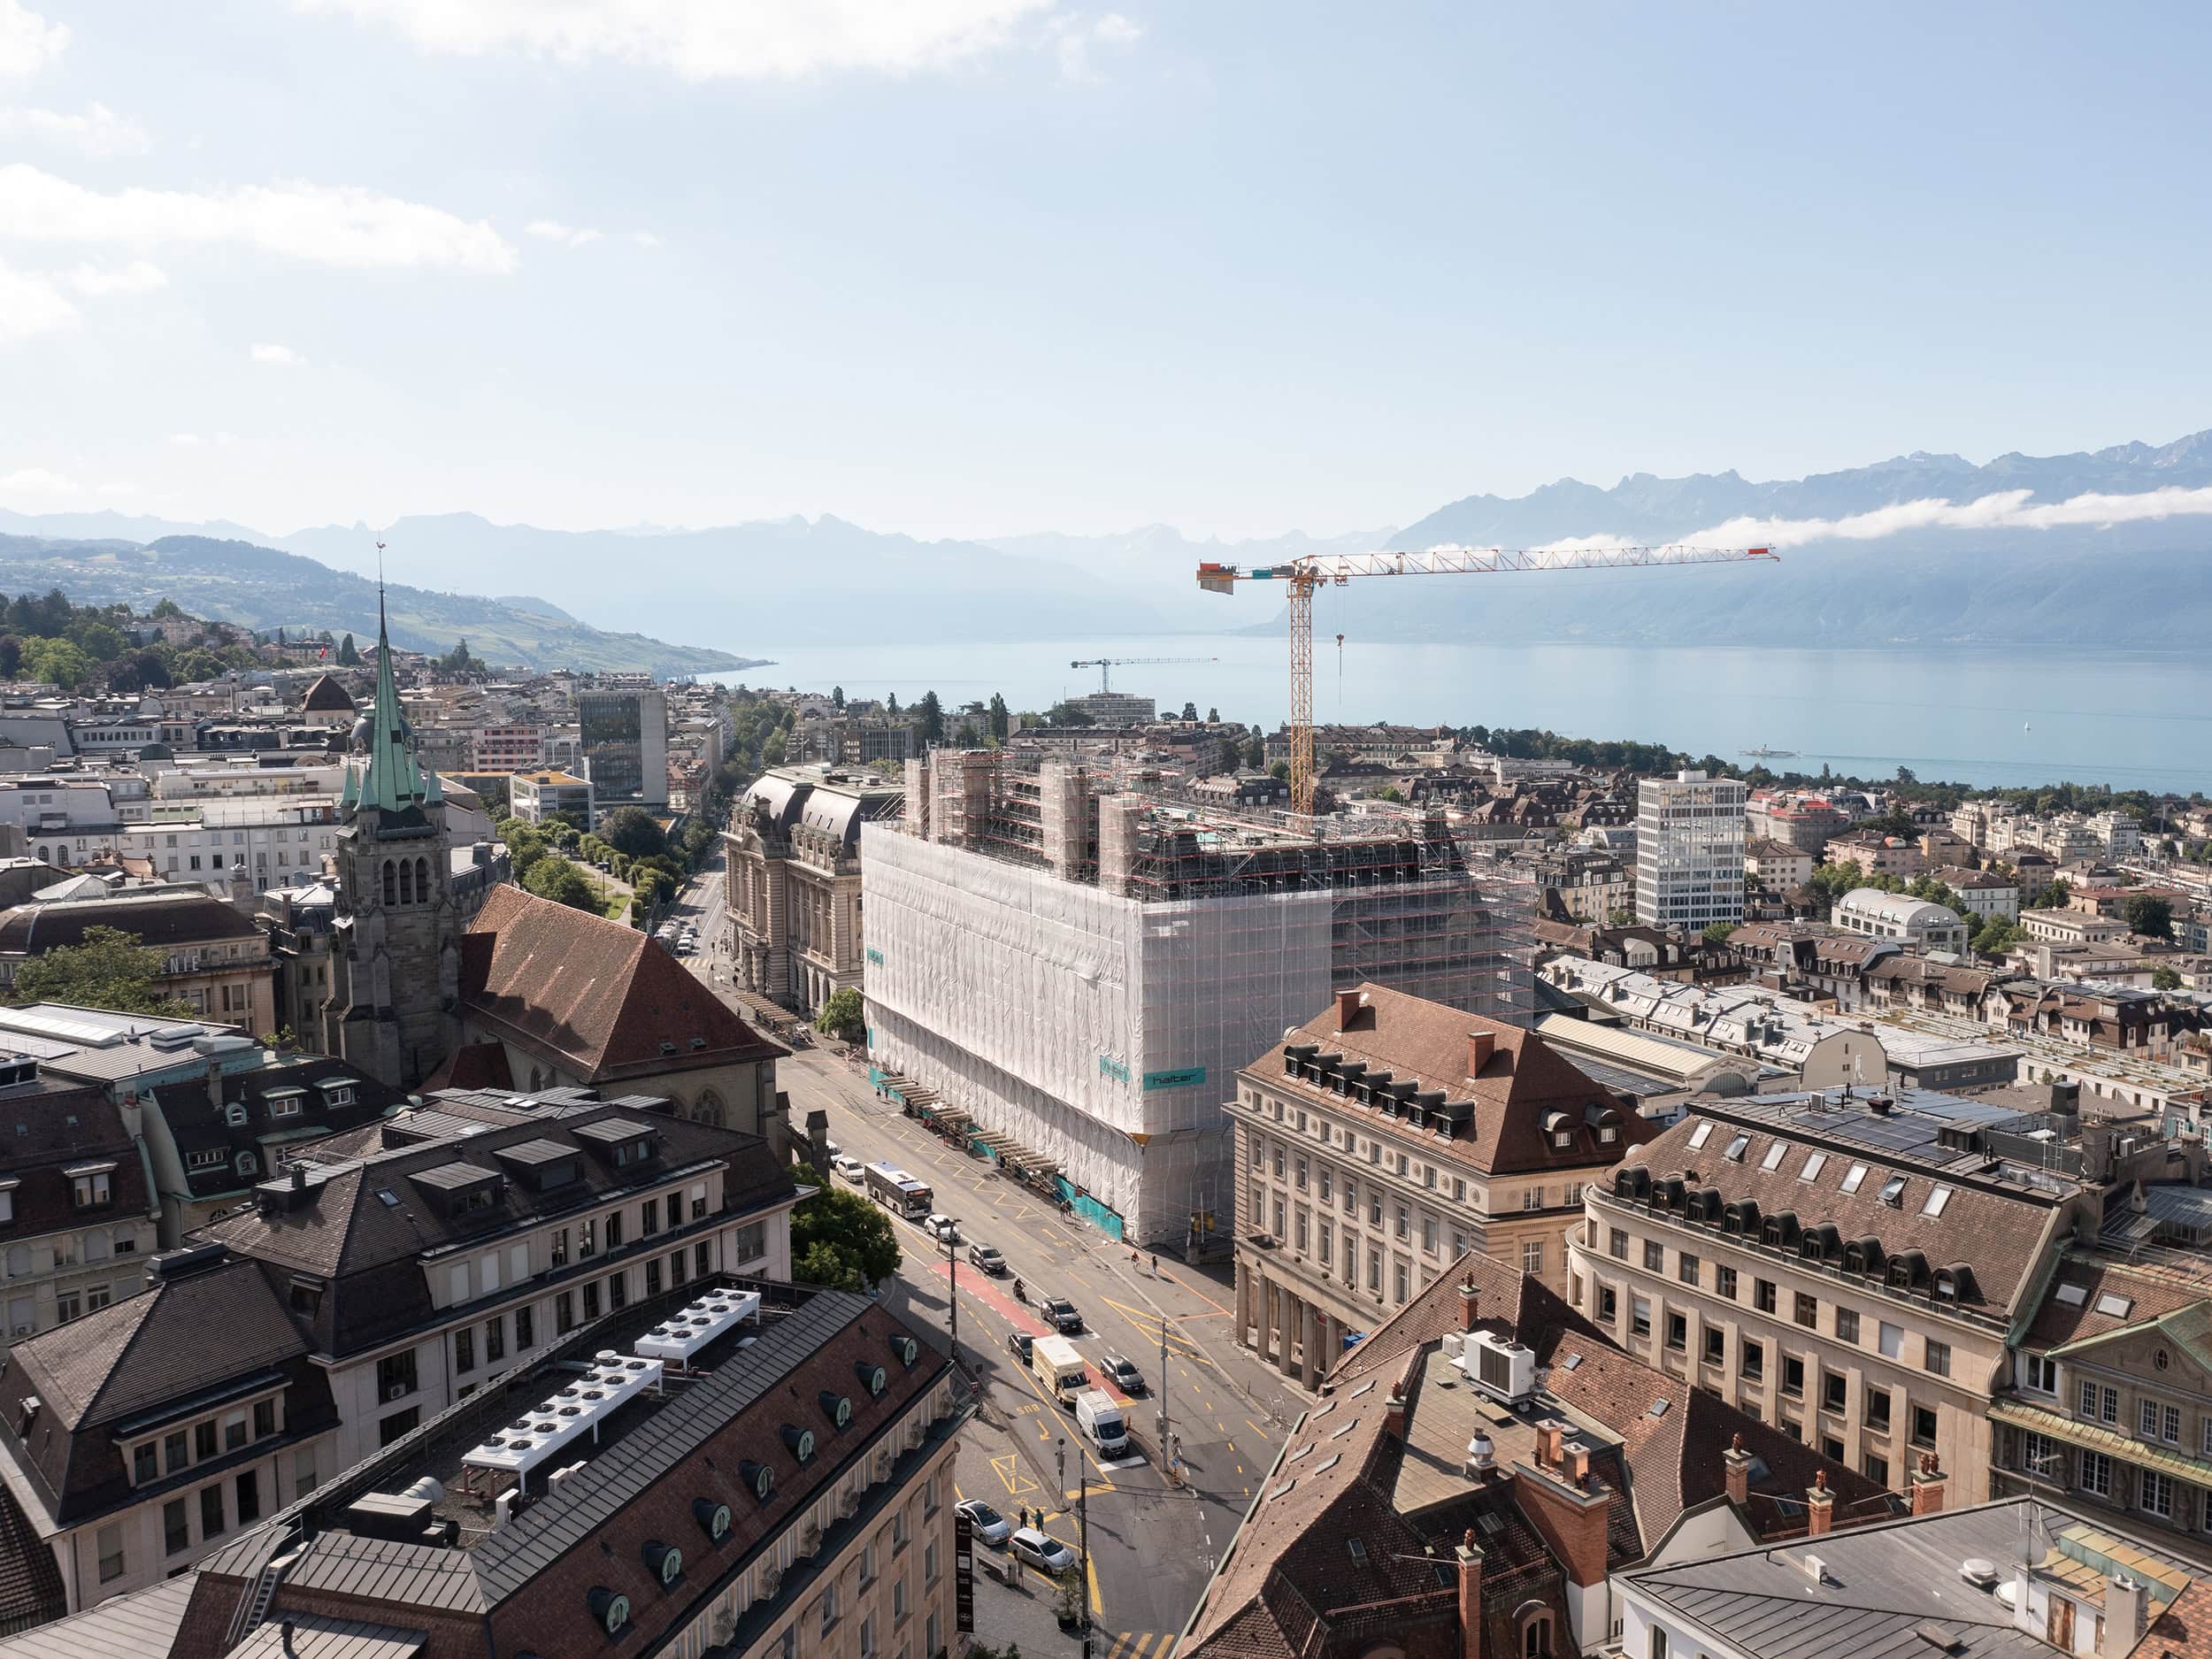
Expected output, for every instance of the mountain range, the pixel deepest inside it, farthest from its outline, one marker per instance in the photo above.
(2000, 578)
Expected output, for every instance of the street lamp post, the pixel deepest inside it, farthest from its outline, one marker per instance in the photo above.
(952, 1287)
(1083, 1545)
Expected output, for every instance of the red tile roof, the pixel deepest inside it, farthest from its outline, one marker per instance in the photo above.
(599, 1000)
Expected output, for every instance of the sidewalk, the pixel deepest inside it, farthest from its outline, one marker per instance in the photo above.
(992, 1465)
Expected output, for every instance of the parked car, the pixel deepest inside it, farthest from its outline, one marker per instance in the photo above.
(990, 1527)
(987, 1258)
(1118, 1371)
(1047, 1555)
(1062, 1314)
(1018, 1344)
(848, 1169)
(944, 1229)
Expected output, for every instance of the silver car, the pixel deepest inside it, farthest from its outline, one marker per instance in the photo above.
(990, 1527)
(1047, 1555)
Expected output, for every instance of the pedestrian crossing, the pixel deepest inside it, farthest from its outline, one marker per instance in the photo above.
(1140, 1644)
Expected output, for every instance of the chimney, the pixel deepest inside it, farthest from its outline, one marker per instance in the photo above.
(1347, 1006)
(2126, 1604)
(1470, 1301)
(1480, 1046)
(299, 1177)
(1927, 1485)
(1574, 1459)
(1470, 1597)
(1394, 1411)
(1735, 1465)
(215, 1082)
(1548, 1435)
(1820, 1505)
(1573, 1518)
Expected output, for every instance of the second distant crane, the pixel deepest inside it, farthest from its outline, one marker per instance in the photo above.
(1104, 664)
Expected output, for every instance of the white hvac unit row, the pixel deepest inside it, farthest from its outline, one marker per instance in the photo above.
(1504, 1370)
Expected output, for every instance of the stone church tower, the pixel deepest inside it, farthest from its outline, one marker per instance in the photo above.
(395, 961)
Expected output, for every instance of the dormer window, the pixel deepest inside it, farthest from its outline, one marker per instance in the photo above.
(234, 1114)
(285, 1102)
(89, 1187)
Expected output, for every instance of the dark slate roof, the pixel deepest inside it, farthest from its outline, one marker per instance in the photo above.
(325, 695)
(598, 999)
(31, 1590)
(198, 1125)
(133, 1358)
(370, 1248)
(52, 1125)
(135, 1626)
(157, 918)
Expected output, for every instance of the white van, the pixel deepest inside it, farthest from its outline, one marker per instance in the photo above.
(1101, 1420)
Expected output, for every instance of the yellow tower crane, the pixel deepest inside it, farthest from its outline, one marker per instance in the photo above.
(1309, 571)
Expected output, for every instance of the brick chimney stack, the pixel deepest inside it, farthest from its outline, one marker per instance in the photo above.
(1470, 1300)
(1395, 1412)
(1347, 1007)
(1735, 1465)
(1549, 1434)
(1574, 1459)
(1820, 1506)
(1470, 1597)
(1927, 1485)
(1480, 1046)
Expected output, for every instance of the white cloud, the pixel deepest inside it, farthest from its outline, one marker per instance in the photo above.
(2006, 510)
(137, 276)
(1076, 38)
(279, 356)
(319, 224)
(553, 230)
(27, 41)
(645, 239)
(99, 131)
(30, 306)
(708, 40)
(38, 480)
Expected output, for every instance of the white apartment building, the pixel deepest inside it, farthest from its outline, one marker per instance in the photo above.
(1689, 850)
(1915, 922)
(272, 843)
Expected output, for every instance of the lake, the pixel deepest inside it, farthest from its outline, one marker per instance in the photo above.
(2026, 716)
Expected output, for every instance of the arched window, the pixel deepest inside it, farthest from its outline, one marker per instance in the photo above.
(709, 1110)
(422, 880)
(406, 882)
(1536, 1635)
(391, 883)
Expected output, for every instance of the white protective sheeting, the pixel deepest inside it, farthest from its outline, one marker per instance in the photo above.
(1100, 1032)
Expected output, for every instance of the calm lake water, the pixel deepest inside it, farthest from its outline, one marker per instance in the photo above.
(2002, 718)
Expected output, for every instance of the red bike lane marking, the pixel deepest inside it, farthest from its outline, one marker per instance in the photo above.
(980, 1286)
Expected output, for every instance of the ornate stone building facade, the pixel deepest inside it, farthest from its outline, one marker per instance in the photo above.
(793, 886)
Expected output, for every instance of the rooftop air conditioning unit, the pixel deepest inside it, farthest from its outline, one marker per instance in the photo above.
(1504, 1370)
(1454, 1343)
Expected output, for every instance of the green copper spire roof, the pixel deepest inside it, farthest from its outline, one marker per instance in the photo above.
(393, 779)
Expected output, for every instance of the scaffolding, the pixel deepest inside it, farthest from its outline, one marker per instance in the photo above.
(1083, 972)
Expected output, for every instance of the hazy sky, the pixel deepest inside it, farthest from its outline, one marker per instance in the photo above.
(979, 266)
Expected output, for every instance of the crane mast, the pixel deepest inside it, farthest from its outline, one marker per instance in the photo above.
(1302, 575)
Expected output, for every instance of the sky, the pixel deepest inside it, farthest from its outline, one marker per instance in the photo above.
(979, 267)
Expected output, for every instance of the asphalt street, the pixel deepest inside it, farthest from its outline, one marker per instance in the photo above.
(1152, 1544)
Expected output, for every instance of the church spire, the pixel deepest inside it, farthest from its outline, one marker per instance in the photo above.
(393, 779)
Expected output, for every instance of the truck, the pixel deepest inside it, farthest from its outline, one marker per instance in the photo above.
(1058, 1366)
(1101, 1420)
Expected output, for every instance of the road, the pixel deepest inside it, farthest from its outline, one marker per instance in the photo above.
(1153, 1547)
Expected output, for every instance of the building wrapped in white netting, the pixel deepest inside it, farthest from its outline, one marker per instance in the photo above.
(1081, 974)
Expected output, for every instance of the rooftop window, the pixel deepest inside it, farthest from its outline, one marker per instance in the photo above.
(1773, 1159)
(2117, 1307)
(1813, 1166)
(1938, 1197)
(1700, 1135)
(1737, 1149)
(1892, 1192)
(2073, 1295)
(1852, 1176)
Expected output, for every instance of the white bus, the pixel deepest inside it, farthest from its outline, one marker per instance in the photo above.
(898, 1191)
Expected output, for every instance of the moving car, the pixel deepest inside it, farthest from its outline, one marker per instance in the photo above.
(990, 1527)
(987, 1258)
(1118, 1371)
(848, 1169)
(944, 1229)
(1047, 1555)
(1061, 1313)
(1019, 1344)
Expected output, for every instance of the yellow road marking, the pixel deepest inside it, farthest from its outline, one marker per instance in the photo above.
(1009, 1470)
(1144, 1642)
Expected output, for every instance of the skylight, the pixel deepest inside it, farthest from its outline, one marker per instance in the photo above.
(1356, 1548)
(1491, 1522)
(1773, 1159)
(1893, 1191)
(387, 1197)
(1571, 1361)
(1813, 1166)
(2118, 1307)
(1852, 1176)
(1736, 1148)
(1700, 1135)
(1659, 1408)
(2073, 1295)
(1938, 1196)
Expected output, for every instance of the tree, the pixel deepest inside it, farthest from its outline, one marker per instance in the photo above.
(1996, 936)
(999, 719)
(2149, 916)
(166, 610)
(853, 1236)
(772, 752)
(837, 696)
(843, 1015)
(2053, 897)
(11, 655)
(1717, 933)
(1390, 792)
(1213, 716)
(348, 653)
(56, 661)
(1280, 769)
(457, 661)
(2164, 979)
(554, 876)
(932, 713)
(632, 830)
(110, 970)
(1190, 713)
